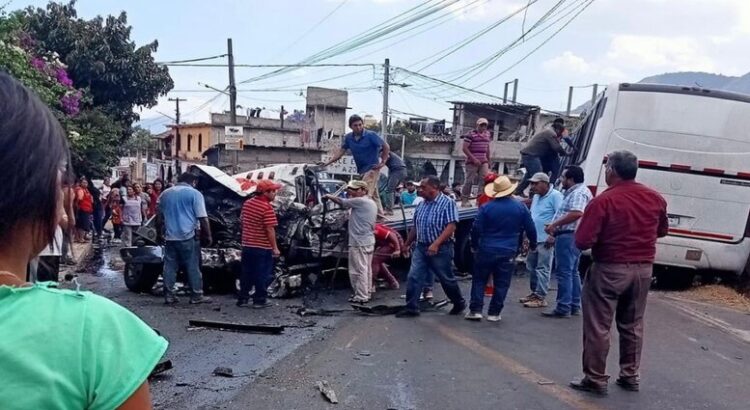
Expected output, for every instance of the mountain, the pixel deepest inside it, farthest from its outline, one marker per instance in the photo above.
(695, 79)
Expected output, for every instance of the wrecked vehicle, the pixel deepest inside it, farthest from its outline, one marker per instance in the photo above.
(312, 233)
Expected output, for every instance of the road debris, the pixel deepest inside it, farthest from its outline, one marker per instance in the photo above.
(327, 392)
(543, 382)
(364, 353)
(224, 372)
(318, 312)
(161, 368)
(237, 327)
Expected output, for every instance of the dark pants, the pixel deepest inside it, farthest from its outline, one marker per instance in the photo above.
(107, 215)
(501, 268)
(439, 265)
(98, 220)
(257, 271)
(551, 166)
(619, 291)
(533, 165)
(117, 229)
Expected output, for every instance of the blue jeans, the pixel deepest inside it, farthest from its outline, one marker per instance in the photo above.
(533, 165)
(566, 272)
(257, 271)
(501, 268)
(539, 265)
(424, 266)
(185, 254)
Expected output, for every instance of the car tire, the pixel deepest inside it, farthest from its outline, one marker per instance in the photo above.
(140, 277)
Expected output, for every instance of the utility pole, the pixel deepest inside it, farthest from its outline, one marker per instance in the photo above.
(515, 90)
(232, 99)
(505, 94)
(386, 83)
(594, 94)
(570, 100)
(176, 129)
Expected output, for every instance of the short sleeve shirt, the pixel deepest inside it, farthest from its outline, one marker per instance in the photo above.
(257, 215)
(543, 210)
(361, 221)
(181, 206)
(431, 218)
(365, 149)
(132, 211)
(574, 199)
(102, 352)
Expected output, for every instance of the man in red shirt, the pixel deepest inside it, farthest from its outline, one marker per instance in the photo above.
(259, 246)
(620, 227)
(388, 244)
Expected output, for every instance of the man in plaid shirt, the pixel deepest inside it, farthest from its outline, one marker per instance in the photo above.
(562, 233)
(435, 220)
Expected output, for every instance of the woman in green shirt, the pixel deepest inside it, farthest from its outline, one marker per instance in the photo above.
(103, 353)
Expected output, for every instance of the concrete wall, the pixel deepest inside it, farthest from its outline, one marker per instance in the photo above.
(193, 140)
(327, 96)
(258, 157)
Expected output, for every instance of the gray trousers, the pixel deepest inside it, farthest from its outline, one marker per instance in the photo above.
(395, 177)
(619, 291)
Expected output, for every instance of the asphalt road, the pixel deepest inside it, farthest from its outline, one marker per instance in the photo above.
(696, 356)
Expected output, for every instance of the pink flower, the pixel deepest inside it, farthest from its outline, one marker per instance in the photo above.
(62, 77)
(71, 103)
(39, 64)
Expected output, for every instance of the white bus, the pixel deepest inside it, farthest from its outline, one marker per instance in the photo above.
(693, 146)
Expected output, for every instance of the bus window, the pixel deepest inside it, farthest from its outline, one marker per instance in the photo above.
(260, 175)
(586, 131)
(271, 174)
(249, 175)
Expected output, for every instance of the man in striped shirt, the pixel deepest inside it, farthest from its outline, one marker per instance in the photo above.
(435, 220)
(477, 150)
(259, 246)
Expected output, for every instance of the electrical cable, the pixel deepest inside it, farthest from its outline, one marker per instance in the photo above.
(190, 61)
(310, 30)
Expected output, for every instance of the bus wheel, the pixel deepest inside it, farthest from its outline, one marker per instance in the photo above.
(677, 279)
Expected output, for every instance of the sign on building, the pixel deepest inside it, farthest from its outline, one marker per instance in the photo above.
(233, 138)
(344, 166)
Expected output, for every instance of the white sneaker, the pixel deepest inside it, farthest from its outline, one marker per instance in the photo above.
(493, 318)
(473, 316)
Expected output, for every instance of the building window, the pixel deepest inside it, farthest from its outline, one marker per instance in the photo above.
(200, 142)
(189, 142)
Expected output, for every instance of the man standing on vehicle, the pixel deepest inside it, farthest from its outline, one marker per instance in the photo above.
(182, 210)
(435, 221)
(620, 227)
(361, 238)
(476, 147)
(562, 233)
(370, 154)
(539, 150)
(259, 246)
(396, 175)
(544, 206)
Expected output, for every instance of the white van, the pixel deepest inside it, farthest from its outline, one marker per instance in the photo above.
(693, 146)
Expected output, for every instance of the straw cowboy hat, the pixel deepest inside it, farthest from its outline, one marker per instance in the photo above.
(500, 188)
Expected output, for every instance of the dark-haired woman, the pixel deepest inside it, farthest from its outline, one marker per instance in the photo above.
(103, 353)
(84, 209)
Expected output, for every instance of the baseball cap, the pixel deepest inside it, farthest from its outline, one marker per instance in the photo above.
(490, 178)
(540, 177)
(482, 121)
(265, 185)
(355, 184)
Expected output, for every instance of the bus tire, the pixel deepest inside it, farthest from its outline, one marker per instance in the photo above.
(463, 257)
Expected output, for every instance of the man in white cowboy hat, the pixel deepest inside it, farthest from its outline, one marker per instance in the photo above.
(495, 237)
(361, 238)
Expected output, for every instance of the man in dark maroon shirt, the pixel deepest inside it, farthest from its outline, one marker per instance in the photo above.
(620, 227)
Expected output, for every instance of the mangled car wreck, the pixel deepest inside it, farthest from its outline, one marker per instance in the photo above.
(312, 233)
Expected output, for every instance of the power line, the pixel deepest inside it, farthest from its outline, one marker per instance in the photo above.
(311, 29)
(167, 63)
(274, 65)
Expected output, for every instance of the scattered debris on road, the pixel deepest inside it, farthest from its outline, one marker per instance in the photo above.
(543, 382)
(327, 392)
(718, 294)
(161, 368)
(237, 327)
(364, 353)
(319, 312)
(224, 372)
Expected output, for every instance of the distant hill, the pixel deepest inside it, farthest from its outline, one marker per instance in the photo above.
(695, 79)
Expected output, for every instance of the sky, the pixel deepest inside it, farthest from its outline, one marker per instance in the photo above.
(609, 41)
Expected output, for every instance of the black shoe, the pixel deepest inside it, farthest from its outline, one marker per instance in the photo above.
(171, 300)
(555, 314)
(628, 385)
(589, 386)
(407, 313)
(242, 303)
(575, 312)
(199, 300)
(458, 309)
(261, 305)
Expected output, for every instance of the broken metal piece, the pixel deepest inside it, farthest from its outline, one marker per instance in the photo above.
(237, 327)
(161, 368)
(382, 310)
(224, 372)
(327, 392)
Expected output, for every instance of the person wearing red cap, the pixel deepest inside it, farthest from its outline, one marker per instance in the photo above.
(259, 246)
(488, 179)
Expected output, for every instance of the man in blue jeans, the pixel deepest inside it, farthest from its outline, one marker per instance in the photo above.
(494, 237)
(562, 233)
(259, 246)
(182, 210)
(544, 206)
(435, 221)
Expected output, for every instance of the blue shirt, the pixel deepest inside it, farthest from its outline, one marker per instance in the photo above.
(576, 198)
(407, 198)
(365, 151)
(432, 217)
(499, 225)
(543, 210)
(181, 206)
